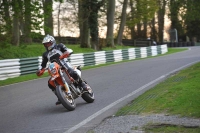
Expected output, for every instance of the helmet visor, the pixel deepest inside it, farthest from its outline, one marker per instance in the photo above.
(47, 44)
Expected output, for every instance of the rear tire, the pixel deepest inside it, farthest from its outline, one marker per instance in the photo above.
(88, 96)
(67, 102)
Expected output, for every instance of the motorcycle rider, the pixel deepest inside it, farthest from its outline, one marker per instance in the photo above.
(50, 43)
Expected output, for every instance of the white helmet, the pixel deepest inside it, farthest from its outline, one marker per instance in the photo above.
(49, 42)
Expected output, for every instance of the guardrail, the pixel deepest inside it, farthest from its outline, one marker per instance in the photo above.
(10, 68)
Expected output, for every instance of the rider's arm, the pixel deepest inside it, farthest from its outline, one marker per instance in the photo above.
(66, 51)
(43, 65)
(44, 60)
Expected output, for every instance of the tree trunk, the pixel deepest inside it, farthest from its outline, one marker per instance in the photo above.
(133, 32)
(153, 30)
(145, 29)
(110, 23)
(21, 19)
(80, 16)
(161, 19)
(83, 24)
(59, 19)
(122, 24)
(139, 31)
(15, 32)
(85, 39)
(48, 18)
(7, 18)
(93, 24)
(27, 26)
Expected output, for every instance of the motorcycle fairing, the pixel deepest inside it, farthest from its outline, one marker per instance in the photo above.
(54, 71)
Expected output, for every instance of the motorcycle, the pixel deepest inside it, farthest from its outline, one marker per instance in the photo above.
(67, 89)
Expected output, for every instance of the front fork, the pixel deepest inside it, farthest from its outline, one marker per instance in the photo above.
(67, 90)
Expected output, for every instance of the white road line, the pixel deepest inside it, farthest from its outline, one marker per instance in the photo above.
(123, 98)
(110, 106)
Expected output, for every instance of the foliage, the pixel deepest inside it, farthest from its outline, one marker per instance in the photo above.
(48, 19)
(144, 10)
(32, 11)
(193, 29)
(183, 13)
(192, 19)
(185, 16)
(36, 15)
(176, 23)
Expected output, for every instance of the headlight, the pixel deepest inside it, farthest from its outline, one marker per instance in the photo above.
(52, 68)
(53, 71)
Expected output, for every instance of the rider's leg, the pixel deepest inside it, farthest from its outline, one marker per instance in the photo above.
(75, 76)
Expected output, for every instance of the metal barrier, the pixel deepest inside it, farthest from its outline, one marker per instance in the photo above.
(15, 67)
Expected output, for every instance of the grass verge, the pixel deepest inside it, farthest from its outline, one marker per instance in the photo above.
(178, 95)
(167, 128)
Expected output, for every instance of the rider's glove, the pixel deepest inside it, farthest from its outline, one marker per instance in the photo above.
(40, 72)
(65, 55)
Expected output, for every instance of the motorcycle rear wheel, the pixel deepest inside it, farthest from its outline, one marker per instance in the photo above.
(88, 96)
(66, 101)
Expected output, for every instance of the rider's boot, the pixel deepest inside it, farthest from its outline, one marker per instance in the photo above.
(58, 102)
(83, 85)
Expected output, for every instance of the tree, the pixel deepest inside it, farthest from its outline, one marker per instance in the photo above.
(153, 33)
(122, 23)
(59, 19)
(6, 16)
(110, 23)
(131, 17)
(15, 31)
(48, 18)
(5, 22)
(141, 13)
(95, 6)
(83, 16)
(161, 19)
(88, 22)
(27, 25)
(191, 18)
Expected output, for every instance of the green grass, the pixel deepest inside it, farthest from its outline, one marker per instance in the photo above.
(34, 50)
(175, 50)
(178, 95)
(166, 128)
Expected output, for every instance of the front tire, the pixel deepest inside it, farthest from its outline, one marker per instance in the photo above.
(66, 101)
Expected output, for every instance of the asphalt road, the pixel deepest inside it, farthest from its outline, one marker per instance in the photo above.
(29, 107)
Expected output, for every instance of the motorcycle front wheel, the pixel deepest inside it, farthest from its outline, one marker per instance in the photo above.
(67, 101)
